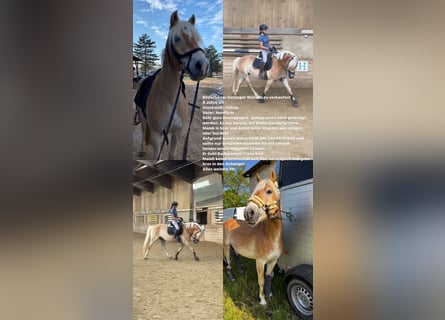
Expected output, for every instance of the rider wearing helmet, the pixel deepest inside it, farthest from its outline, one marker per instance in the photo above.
(175, 219)
(265, 47)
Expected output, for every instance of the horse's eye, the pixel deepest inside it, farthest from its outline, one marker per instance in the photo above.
(177, 39)
(269, 191)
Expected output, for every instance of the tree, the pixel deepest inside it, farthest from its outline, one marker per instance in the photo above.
(214, 59)
(236, 188)
(143, 49)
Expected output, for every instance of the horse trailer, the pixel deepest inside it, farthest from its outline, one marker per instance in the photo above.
(296, 261)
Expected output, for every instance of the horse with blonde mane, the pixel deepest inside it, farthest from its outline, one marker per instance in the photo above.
(262, 240)
(284, 65)
(165, 110)
(192, 231)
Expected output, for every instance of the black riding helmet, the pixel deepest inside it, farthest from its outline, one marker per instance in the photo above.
(174, 203)
(263, 27)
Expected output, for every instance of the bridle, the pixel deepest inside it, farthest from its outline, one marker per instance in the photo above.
(194, 236)
(271, 210)
(181, 67)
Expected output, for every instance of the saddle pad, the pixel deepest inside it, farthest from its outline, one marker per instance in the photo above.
(144, 90)
(171, 229)
(259, 59)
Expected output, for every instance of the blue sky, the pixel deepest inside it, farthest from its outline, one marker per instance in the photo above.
(153, 18)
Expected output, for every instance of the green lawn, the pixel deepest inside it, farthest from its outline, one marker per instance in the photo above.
(241, 296)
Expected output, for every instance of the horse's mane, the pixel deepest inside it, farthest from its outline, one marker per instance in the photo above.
(184, 28)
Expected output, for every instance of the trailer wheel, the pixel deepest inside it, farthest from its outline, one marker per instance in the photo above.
(300, 297)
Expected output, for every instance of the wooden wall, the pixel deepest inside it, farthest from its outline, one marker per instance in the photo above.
(275, 13)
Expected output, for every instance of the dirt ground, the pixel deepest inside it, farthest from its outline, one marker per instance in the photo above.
(272, 148)
(194, 152)
(177, 289)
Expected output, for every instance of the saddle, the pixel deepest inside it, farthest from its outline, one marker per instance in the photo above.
(259, 59)
(171, 229)
(144, 90)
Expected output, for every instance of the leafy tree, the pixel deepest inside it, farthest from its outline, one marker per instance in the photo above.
(214, 59)
(236, 188)
(143, 49)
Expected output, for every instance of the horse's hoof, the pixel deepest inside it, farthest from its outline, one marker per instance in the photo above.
(294, 104)
(141, 154)
(145, 258)
(196, 258)
(230, 275)
(260, 100)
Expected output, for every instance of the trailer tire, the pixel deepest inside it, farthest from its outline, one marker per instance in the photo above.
(300, 297)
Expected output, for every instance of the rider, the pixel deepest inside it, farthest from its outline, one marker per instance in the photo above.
(265, 47)
(175, 219)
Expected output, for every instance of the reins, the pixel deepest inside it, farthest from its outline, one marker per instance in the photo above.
(181, 68)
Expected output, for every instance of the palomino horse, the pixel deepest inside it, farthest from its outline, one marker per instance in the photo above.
(182, 53)
(192, 231)
(262, 240)
(283, 63)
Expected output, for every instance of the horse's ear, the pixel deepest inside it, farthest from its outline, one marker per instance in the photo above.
(192, 19)
(258, 178)
(273, 175)
(174, 18)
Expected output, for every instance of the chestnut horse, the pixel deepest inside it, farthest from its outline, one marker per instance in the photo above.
(284, 63)
(182, 53)
(192, 231)
(260, 241)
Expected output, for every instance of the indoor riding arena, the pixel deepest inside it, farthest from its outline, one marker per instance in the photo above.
(166, 288)
(289, 28)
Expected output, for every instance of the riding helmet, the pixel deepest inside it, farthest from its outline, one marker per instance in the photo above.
(174, 203)
(263, 27)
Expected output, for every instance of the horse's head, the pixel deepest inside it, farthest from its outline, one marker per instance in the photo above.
(265, 200)
(184, 43)
(289, 61)
(195, 231)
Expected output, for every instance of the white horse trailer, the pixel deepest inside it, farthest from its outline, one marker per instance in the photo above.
(296, 260)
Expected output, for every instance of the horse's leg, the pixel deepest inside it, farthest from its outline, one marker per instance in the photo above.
(251, 87)
(175, 136)
(155, 141)
(236, 257)
(164, 248)
(193, 250)
(268, 278)
(289, 90)
(179, 250)
(226, 253)
(260, 273)
(147, 248)
(238, 83)
(268, 84)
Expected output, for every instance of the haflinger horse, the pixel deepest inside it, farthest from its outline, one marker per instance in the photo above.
(284, 63)
(182, 52)
(260, 241)
(192, 231)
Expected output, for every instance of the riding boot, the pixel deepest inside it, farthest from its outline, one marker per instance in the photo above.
(262, 73)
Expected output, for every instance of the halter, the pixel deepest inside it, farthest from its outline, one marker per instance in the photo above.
(266, 207)
(182, 68)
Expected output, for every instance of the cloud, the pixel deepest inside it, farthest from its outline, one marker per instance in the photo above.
(168, 5)
(160, 31)
(139, 20)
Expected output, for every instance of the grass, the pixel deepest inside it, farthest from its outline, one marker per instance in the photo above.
(241, 296)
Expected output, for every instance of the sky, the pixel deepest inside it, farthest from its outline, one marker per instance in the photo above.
(153, 18)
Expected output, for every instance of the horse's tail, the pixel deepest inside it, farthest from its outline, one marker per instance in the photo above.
(235, 73)
(147, 239)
